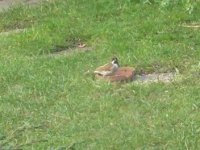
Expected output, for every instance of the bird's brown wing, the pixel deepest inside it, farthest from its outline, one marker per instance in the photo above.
(106, 67)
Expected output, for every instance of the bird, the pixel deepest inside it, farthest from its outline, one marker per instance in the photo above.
(108, 69)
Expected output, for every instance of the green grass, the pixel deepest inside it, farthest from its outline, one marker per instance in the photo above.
(48, 103)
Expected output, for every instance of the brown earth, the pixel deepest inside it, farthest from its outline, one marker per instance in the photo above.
(122, 74)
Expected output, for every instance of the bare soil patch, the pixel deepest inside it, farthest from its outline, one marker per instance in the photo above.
(5, 4)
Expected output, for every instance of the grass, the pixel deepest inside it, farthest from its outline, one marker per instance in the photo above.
(47, 102)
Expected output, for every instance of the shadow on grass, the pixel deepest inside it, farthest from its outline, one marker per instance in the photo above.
(72, 43)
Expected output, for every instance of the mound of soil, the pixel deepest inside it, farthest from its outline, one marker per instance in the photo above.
(122, 74)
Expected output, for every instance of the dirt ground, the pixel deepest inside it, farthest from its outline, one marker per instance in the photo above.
(5, 4)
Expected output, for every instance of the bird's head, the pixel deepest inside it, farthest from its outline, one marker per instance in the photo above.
(115, 61)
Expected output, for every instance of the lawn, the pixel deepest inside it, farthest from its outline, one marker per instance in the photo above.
(49, 102)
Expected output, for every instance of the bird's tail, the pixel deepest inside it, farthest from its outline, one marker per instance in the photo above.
(97, 72)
